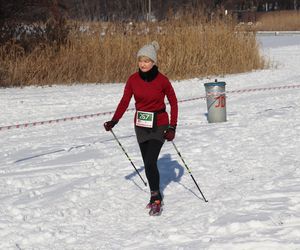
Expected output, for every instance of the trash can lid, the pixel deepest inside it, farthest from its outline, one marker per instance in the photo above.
(210, 84)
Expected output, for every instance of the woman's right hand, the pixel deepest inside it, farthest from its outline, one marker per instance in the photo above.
(109, 125)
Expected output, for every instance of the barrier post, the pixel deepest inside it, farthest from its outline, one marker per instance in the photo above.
(216, 101)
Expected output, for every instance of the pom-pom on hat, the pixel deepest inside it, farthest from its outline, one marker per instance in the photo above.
(149, 50)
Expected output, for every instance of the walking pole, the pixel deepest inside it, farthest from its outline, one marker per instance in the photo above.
(128, 156)
(188, 170)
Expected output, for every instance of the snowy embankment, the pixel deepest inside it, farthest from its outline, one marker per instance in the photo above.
(69, 185)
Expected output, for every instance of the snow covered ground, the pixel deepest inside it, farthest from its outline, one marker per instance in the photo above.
(69, 185)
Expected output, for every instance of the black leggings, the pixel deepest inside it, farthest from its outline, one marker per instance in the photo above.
(150, 151)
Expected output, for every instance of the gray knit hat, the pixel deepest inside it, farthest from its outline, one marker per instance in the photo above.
(149, 50)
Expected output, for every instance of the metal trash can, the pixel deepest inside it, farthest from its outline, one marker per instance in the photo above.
(216, 101)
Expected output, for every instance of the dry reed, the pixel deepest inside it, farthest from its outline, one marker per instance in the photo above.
(279, 21)
(107, 53)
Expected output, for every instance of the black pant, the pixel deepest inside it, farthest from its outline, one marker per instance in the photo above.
(150, 151)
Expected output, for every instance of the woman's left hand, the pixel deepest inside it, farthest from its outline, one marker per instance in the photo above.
(170, 133)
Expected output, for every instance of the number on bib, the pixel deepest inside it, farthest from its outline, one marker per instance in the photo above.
(144, 119)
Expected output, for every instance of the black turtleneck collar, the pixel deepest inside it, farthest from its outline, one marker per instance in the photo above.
(149, 75)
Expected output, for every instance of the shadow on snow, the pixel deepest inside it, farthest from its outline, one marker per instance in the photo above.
(170, 171)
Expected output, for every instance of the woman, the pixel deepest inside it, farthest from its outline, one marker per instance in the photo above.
(152, 126)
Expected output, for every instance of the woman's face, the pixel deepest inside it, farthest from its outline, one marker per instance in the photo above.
(145, 64)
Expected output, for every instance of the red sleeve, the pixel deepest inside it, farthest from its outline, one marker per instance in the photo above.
(124, 102)
(170, 93)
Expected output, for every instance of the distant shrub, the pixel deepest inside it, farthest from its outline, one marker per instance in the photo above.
(29, 36)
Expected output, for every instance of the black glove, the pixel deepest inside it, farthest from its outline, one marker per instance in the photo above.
(170, 133)
(109, 125)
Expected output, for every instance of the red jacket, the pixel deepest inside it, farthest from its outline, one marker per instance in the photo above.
(149, 96)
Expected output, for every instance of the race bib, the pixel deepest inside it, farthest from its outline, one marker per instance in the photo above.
(144, 119)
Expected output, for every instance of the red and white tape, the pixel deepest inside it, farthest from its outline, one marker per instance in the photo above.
(31, 124)
(265, 89)
(240, 91)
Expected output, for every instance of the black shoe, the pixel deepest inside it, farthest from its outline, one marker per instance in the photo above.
(155, 195)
